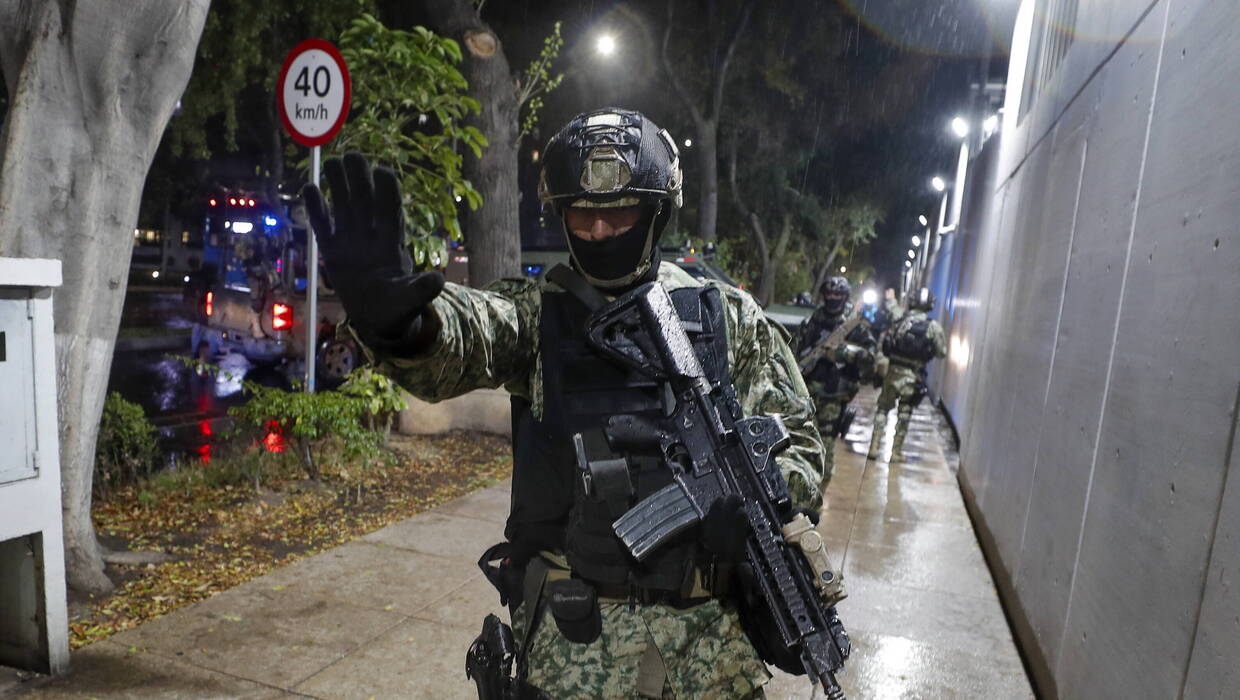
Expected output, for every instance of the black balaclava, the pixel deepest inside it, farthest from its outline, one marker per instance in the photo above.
(622, 262)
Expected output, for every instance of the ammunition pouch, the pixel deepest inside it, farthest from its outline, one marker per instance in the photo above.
(574, 606)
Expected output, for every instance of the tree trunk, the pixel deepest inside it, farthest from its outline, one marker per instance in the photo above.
(778, 252)
(766, 279)
(273, 153)
(91, 88)
(493, 233)
(824, 269)
(706, 121)
(708, 179)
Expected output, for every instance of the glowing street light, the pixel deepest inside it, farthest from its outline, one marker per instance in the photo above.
(606, 45)
(921, 219)
(916, 240)
(938, 183)
(960, 127)
(843, 269)
(869, 297)
(688, 143)
(908, 263)
(912, 253)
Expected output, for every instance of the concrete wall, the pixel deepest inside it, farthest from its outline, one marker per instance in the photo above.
(487, 410)
(1091, 300)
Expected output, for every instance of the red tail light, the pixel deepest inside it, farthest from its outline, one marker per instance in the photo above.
(213, 202)
(281, 317)
(210, 303)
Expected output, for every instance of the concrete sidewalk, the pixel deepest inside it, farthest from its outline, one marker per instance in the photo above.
(391, 615)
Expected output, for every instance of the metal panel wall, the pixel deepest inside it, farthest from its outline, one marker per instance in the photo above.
(1095, 283)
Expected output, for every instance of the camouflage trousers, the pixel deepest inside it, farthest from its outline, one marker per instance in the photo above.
(897, 393)
(827, 410)
(704, 650)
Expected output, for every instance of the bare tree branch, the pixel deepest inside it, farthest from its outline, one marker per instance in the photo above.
(721, 70)
(678, 87)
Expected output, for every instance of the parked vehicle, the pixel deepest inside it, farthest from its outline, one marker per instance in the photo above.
(251, 289)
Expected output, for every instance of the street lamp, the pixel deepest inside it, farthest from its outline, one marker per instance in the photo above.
(688, 143)
(921, 219)
(869, 297)
(912, 253)
(916, 240)
(843, 269)
(938, 183)
(606, 45)
(960, 127)
(908, 263)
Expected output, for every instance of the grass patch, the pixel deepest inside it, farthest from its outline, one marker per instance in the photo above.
(222, 530)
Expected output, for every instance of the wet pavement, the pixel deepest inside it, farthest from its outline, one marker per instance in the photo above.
(922, 611)
(390, 615)
(189, 409)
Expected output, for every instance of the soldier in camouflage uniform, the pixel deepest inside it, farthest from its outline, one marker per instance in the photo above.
(613, 177)
(834, 374)
(911, 343)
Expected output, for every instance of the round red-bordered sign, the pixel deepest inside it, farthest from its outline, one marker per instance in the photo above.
(313, 92)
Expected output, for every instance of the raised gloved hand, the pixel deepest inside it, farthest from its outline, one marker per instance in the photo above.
(368, 263)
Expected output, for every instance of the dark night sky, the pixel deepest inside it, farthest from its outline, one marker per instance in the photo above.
(914, 57)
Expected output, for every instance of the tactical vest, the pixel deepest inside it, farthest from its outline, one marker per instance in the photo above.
(581, 390)
(910, 340)
(829, 373)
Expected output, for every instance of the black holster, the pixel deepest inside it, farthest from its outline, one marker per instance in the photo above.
(489, 665)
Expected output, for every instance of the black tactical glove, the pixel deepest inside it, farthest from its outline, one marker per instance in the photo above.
(725, 529)
(366, 257)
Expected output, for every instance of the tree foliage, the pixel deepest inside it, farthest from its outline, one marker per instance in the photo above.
(537, 80)
(242, 47)
(410, 114)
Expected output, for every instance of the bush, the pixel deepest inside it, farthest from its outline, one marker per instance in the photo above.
(126, 447)
(303, 419)
(382, 397)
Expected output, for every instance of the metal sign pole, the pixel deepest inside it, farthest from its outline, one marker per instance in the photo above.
(313, 95)
(312, 282)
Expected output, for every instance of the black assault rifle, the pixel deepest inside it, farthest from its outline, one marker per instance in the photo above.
(715, 451)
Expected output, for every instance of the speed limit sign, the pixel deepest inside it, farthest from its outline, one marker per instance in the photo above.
(313, 92)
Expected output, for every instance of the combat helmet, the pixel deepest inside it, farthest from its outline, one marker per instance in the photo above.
(613, 158)
(835, 293)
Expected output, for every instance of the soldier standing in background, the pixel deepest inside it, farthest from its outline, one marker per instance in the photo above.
(836, 353)
(910, 344)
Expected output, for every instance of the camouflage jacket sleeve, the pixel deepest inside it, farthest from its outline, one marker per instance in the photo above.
(767, 381)
(487, 337)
